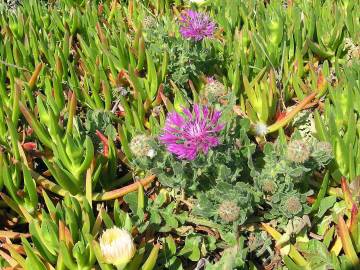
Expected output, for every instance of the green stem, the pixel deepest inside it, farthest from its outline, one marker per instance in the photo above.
(204, 222)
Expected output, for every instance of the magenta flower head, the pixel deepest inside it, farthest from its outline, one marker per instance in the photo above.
(188, 134)
(196, 25)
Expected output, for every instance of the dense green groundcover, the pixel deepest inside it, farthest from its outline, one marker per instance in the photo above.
(179, 134)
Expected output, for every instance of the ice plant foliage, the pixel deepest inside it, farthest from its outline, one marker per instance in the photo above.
(196, 25)
(197, 1)
(117, 247)
(188, 134)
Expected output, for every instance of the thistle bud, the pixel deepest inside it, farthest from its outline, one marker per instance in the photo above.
(293, 205)
(298, 151)
(229, 211)
(140, 146)
(325, 147)
(117, 247)
(214, 89)
(149, 22)
(10, 5)
(353, 52)
(269, 186)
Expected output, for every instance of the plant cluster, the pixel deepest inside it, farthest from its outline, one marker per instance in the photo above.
(179, 134)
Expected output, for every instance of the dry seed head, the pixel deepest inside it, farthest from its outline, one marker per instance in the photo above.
(298, 151)
(229, 211)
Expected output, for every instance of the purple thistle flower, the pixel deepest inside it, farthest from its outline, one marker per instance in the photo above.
(196, 25)
(188, 134)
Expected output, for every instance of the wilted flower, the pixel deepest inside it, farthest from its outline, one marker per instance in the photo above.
(298, 151)
(196, 25)
(188, 134)
(140, 146)
(117, 247)
(121, 91)
(229, 211)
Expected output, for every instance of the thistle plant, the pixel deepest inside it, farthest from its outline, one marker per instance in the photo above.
(181, 58)
(284, 179)
(149, 23)
(97, 94)
(236, 209)
(198, 143)
(206, 172)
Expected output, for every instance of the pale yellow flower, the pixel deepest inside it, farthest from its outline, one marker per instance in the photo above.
(117, 247)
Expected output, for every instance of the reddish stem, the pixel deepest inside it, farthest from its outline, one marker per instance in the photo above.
(104, 141)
